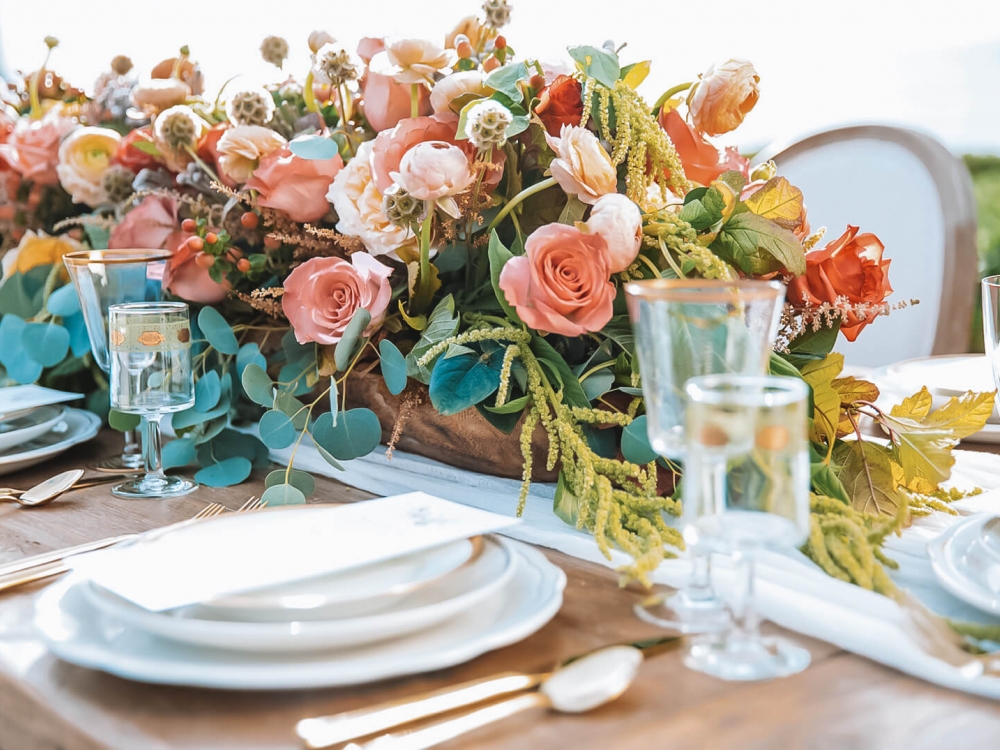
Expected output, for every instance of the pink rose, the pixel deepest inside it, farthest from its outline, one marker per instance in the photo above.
(185, 278)
(560, 284)
(370, 46)
(153, 224)
(296, 186)
(322, 295)
(33, 148)
(386, 102)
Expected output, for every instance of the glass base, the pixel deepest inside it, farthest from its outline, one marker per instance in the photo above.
(730, 659)
(683, 613)
(154, 487)
(124, 464)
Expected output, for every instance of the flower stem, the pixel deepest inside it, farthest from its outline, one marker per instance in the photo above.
(200, 162)
(310, 96)
(523, 195)
(669, 93)
(425, 247)
(414, 100)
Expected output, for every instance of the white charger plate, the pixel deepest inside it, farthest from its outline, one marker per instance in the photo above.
(25, 428)
(76, 426)
(431, 605)
(963, 567)
(77, 634)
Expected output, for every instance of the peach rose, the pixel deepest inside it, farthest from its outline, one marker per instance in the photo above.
(411, 61)
(242, 147)
(187, 71)
(160, 93)
(84, 157)
(724, 96)
(702, 161)
(185, 278)
(559, 104)
(322, 295)
(386, 102)
(435, 171)
(560, 284)
(153, 224)
(619, 221)
(450, 88)
(582, 167)
(32, 150)
(296, 186)
(851, 269)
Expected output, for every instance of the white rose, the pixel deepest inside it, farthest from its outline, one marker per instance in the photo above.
(582, 167)
(619, 222)
(242, 147)
(449, 88)
(84, 157)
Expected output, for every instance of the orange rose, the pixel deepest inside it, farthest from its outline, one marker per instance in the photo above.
(849, 268)
(724, 96)
(131, 157)
(702, 161)
(560, 104)
(188, 72)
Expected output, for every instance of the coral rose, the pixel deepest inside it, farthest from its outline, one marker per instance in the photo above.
(32, 150)
(385, 101)
(582, 167)
(131, 157)
(619, 221)
(322, 295)
(241, 148)
(560, 104)
(435, 171)
(295, 186)
(153, 224)
(702, 161)
(848, 270)
(560, 284)
(160, 93)
(358, 203)
(450, 88)
(185, 278)
(723, 97)
(84, 157)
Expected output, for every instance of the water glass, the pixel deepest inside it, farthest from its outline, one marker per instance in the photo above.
(991, 326)
(746, 487)
(150, 356)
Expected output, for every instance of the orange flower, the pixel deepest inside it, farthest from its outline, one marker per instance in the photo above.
(189, 72)
(724, 96)
(702, 161)
(130, 156)
(849, 268)
(560, 104)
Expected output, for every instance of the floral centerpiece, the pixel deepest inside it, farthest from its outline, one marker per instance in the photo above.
(457, 221)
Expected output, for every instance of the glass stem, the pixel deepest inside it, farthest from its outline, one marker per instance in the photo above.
(700, 583)
(132, 453)
(151, 448)
(746, 624)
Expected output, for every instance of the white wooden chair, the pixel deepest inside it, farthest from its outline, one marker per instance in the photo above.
(917, 197)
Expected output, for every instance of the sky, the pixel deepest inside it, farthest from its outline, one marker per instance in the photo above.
(931, 67)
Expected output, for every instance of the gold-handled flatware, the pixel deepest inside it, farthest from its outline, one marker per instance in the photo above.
(45, 492)
(582, 685)
(326, 731)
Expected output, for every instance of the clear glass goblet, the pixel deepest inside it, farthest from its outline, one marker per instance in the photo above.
(746, 487)
(686, 328)
(107, 277)
(150, 351)
(991, 326)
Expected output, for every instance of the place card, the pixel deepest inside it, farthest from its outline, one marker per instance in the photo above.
(205, 560)
(18, 399)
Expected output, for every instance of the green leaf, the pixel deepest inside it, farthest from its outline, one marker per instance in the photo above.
(301, 480)
(778, 365)
(758, 246)
(314, 148)
(344, 351)
(600, 65)
(572, 392)
(229, 443)
(573, 211)
(813, 345)
(207, 391)
(218, 332)
(442, 324)
(224, 473)
(357, 433)
(462, 382)
(499, 255)
(704, 210)
(98, 236)
(123, 422)
(866, 475)
(179, 452)
(825, 482)
(19, 368)
(46, 343)
(258, 385)
(63, 302)
(191, 417)
(504, 79)
(294, 409)
(147, 147)
(393, 365)
(734, 180)
(565, 504)
(276, 430)
(249, 354)
(283, 494)
(635, 442)
(598, 384)
(516, 406)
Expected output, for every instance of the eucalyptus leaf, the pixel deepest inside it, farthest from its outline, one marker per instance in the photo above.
(63, 302)
(276, 430)
(258, 385)
(207, 391)
(123, 422)
(600, 65)
(635, 442)
(344, 351)
(356, 434)
(462, 382)
(294, 409)
(191, 417)
(302, 480)
(249, 354)
(505, 79)
(218, 332)
(282, 494)
(224, 473)
(314, 148)
(46, 343)
(179, 452)
(598, 384)
(79, 338)
(393, 365)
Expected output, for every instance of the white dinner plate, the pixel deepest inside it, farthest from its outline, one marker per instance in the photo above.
(21, 430)
(433, 604)
(964, 568)
(76, 633)
(76, 426)
(351, 593)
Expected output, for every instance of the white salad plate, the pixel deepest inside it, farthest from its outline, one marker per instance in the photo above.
(25, 428)
(430, 605)
(76, 426)
(964, 567)
(350, 593)
(77, 634)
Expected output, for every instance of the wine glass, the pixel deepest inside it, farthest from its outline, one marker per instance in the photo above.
(991, 325)
(746, 487)
(103, 278)
(150, 350)
(686, 328)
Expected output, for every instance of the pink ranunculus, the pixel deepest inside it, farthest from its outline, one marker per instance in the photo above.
(32, 150)
(435, 171)
(152, 225)
(296, 186)
(619, 221)
(322, 295)
(560, 284)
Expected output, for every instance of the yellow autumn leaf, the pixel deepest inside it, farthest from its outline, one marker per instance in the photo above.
(637, 74)
(820, 375)
(729, 198)
(963, 415)
(779, 201)
(852, 390)
(916, 406)
(867, 472)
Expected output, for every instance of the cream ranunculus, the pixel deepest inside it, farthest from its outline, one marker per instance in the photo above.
(241, 148)
(411, 61)
(724, 96)
(435, 171)
(83, 159)
(582, 167)
(358, 203)
(619, 221)
(450, 88)
(160, 93)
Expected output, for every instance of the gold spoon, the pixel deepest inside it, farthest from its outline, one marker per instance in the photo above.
(47, 491)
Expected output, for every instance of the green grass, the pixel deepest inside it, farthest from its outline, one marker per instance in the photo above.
(985, 172)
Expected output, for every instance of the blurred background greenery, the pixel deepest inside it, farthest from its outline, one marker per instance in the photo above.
(985, 172)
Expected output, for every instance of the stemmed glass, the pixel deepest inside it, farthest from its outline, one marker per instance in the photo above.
(686, 328)
(150, 349)
(746, 486)
(103, 278)
(991, 325)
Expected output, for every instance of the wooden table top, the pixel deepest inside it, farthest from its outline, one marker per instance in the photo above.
(840, 701)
